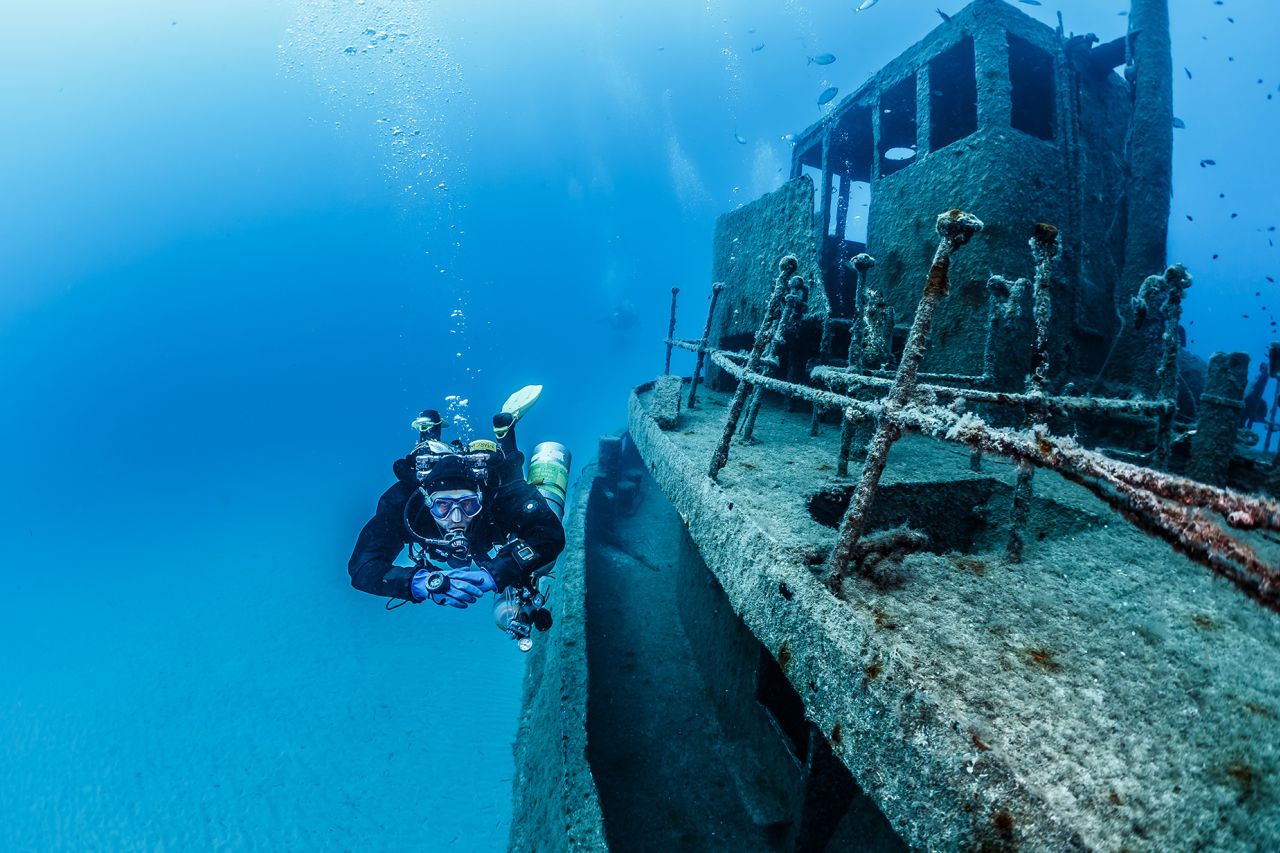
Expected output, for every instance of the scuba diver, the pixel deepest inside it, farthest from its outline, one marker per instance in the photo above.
(1255, 407)
(472, 522)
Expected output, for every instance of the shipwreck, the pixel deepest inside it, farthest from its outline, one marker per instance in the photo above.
(945, 542)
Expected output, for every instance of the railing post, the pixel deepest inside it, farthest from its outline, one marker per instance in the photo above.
(1046, 245)
(702, 346)
(955, 228)
(671, 330)
(792, 312)
(787, 267)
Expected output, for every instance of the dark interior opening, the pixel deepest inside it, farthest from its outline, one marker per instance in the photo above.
(898, 126)
(1031, 73)
(852, 144)
(784, 706)
(953, 95)
(957, 515)
(949, 513)
(811, 155)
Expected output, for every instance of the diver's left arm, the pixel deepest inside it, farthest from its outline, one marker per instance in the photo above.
(539, 536)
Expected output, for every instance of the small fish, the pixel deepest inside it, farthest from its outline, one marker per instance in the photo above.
(1031, 2)
(738, 137)
(1188, 70)
(828, 94)
(943, 15)
(821, 59)
(1204, 163)
(789, 138)
(758, 48)
(865, 5)
(1179, 124)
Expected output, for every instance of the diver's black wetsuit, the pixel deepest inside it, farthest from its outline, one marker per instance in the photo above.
(516, 511)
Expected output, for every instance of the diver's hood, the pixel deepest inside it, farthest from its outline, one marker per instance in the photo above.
(451, 471)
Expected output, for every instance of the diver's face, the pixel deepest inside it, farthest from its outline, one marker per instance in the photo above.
(453, 509)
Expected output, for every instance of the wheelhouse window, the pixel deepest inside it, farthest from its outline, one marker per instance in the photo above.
(898, 126)
(953, 95)
(1031, 72)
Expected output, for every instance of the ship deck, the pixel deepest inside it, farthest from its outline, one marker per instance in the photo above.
(1105, 693)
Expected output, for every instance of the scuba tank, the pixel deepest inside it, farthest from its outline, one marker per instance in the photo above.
(549, 474)
(519, 609)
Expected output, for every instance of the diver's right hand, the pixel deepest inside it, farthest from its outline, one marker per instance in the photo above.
(463, 589)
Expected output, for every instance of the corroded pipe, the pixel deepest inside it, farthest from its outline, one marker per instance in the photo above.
(1159, 504)
(1055, 405)
(955, 228)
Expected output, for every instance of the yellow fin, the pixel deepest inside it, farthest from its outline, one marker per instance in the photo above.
(522, 401)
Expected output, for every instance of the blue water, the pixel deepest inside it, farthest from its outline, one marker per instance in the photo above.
(243, 243)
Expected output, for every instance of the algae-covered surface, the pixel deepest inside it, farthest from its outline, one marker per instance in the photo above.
(1106, 693)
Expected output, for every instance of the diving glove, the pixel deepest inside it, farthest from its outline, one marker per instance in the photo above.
(452, 587)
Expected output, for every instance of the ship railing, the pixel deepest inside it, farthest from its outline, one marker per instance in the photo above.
(1195, 518)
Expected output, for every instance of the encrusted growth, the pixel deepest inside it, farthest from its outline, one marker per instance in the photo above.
(955, 229)
(1196, 518)
(786, 269)
(1046, 247)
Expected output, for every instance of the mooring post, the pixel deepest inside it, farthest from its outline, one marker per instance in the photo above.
(671, 331)
(846, 442)
(955, 228)
(862, 264)
(702, 345)
(787, 267)
(1046, 245)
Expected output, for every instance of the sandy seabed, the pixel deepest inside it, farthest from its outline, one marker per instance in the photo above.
(191, 710)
